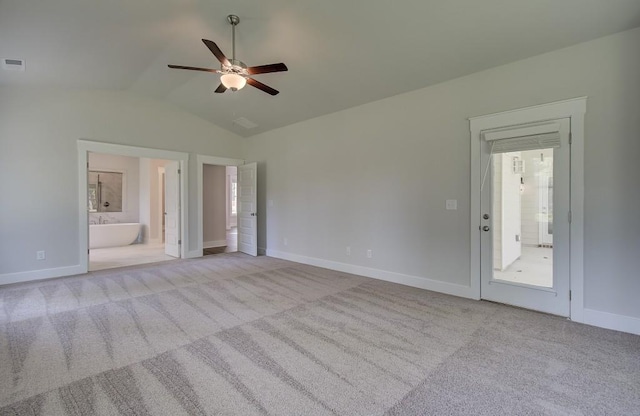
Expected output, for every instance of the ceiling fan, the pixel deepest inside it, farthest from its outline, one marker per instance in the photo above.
(234, 74)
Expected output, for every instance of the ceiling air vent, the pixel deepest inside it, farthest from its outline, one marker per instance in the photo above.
(243, 122)
(12, 64)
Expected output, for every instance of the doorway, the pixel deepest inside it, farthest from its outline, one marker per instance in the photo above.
(246, 202)
(519, 265)
(128, 211)
(219, 208)
(139, 210)
(527, 207)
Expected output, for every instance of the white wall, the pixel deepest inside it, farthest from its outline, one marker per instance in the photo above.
(150, 198)
(155, 203)
(130, 186)
(214, 206)
(506, 211)
(144, 198)
(232, 176)
(39, 129)
(511, 212)
(496, 206)
(377, 176)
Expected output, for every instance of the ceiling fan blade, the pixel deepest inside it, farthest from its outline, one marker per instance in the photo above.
(259, 85)
(263, 69)
(217, 52)
(193, 68)
(221, 88)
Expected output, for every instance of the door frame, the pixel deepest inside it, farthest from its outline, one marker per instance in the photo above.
(575, 110)
(202, 160)
(161, 202)
(86, 146)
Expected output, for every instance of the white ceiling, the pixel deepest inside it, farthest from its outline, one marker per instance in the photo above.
(340, 53)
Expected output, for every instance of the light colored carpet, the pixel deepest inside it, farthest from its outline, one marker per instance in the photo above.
(236, 335)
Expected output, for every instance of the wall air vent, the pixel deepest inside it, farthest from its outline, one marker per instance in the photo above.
(12, 64)
(243, 122)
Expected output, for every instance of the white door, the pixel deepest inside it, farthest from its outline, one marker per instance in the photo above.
(538, 277)
(247, 215)
(172, 209)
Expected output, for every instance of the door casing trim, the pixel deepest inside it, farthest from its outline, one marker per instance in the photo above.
(575, 110)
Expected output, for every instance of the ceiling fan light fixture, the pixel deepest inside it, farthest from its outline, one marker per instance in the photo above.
(234, 82)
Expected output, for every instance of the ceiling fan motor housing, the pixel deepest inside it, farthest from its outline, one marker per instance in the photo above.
(236, 67)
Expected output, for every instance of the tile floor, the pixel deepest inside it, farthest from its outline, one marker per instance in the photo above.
(112, 257)
(108, 258)
(534, 267)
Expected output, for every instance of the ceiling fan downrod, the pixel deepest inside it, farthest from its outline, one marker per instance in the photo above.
(234, 21)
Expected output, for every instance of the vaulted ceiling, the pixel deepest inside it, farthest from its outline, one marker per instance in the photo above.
(340, 53)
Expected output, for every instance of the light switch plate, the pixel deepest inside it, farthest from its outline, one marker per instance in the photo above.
(452, 204)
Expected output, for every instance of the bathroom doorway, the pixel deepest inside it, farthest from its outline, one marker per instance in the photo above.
(131, 205)
(128, 211)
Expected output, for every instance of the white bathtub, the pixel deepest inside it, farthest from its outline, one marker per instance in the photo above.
(113, 235)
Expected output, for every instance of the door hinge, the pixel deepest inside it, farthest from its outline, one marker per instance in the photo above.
(88, 251)
(569, 217)
(179, 242)
(570, 138)
(87, 165)
(179, 171)
(569, 295)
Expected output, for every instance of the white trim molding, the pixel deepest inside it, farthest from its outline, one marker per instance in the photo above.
(19, 277)
(611, 321)
(403, 279)
(575, 110)
(212, 244)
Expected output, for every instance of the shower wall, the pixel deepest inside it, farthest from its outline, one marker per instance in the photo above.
(129, 166)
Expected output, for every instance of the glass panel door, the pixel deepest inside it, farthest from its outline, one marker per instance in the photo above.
(525, 232)
(523, 217)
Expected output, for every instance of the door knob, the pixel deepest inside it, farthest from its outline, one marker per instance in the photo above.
(486, 228)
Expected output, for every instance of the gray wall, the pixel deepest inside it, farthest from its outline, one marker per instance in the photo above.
(39, 129)
(377, 176)
(371, 177)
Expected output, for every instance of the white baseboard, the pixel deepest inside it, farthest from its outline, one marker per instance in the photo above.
(20, 277)
(194, 254)
(216, 243)
(404, 279)
(613, 321)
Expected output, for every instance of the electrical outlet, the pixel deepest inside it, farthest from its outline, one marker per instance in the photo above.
(40, 255)
(285, 241)
(348, 250)
(369, 253)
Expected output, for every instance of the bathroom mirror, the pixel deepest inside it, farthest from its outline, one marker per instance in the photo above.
(105, 191)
